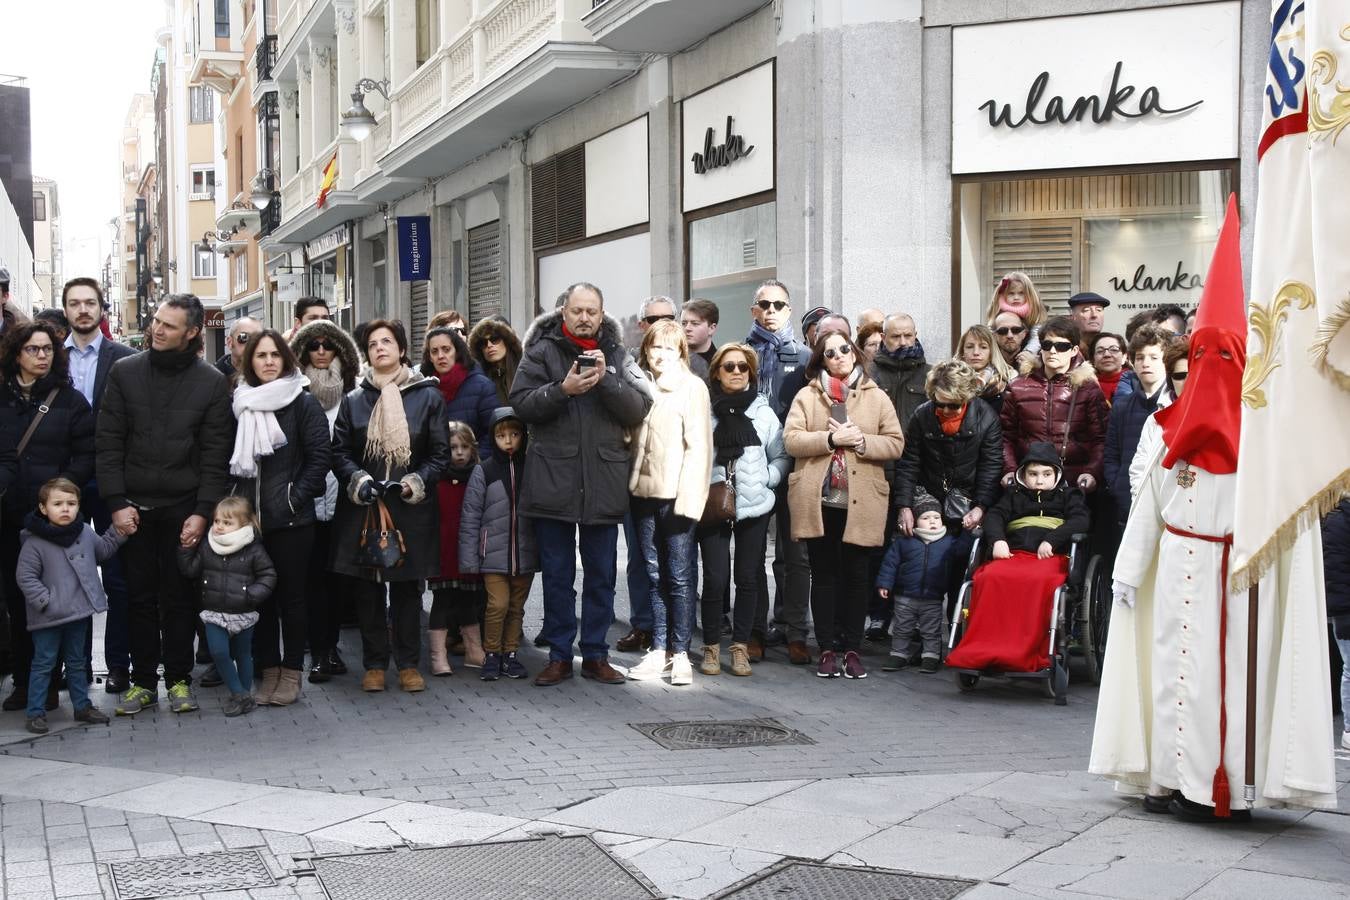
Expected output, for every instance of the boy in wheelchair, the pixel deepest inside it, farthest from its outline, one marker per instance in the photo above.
(1028, 533)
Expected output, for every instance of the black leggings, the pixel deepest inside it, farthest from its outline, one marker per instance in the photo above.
(839, 588)
(283, 614)
(453, 608)
(714, 546)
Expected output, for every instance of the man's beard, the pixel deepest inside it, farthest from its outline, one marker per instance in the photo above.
(90, 330)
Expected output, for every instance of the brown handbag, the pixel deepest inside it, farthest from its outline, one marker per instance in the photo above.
(381, 544)
(721, 505)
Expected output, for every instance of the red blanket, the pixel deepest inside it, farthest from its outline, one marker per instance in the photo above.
(1009, 625)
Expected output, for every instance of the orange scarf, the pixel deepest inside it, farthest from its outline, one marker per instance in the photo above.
(950, 420)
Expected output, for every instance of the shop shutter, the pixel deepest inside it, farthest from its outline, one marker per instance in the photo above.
(558, 199)
(420, 314)
(544, 203)
(485, 272)
(1046, 249)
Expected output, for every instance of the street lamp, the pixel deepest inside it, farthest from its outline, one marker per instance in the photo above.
(261, 194)
(358, 122)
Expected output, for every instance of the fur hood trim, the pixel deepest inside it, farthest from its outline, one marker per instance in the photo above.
(492, 326)
(348, 355)
(549, 327)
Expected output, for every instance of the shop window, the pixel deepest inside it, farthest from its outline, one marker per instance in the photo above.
(323, 280)
(730, 253)
(1138, 238)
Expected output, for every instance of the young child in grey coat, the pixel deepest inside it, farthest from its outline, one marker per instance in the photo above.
(58, 574)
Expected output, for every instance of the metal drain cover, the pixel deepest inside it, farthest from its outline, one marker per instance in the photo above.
(171, 876)
(507, 870)
(722, 735)
(809, 881)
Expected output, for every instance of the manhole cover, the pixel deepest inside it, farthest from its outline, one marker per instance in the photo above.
(809, 881)
(509, 870)
(171, 876)
(722, 735)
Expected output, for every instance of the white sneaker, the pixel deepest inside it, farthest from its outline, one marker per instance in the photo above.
(653, 665)
(1345, 740)
(681, 671)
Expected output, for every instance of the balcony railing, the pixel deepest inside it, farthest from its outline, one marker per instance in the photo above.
(270, 217)
(265, 57)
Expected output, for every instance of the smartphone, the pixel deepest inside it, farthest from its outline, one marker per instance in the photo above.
(587, 362)
(839, 413)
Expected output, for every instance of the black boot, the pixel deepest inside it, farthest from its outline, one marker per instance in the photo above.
(118, 681)
(17, 699)
(1191, 811)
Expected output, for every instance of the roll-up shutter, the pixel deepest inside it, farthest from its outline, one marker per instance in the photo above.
(485, 271)
(1046, 249)
(420, 315)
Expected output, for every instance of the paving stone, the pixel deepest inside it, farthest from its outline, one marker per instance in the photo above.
(1044, 825)
(1318, 847)
(1239, 884)
(782, 832)
(294, 811)
(681, 869)
(931, 852)
(882, 802)
(182, 797)
(82, 784)
(645, 812)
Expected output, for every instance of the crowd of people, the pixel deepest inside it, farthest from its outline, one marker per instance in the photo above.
(315, 478)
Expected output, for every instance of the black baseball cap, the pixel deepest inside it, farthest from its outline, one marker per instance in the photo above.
(814, 315)
(1086, 298)
(4, 277)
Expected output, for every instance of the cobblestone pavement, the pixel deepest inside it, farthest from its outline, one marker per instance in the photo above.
(904, 773)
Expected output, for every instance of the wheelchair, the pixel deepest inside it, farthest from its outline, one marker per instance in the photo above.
(1079, 620)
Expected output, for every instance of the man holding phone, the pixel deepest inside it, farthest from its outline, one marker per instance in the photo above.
(578, 391)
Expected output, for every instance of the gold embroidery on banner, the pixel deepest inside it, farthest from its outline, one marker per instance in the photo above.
(1267, 323)
(1320, 351)
(1322, 73)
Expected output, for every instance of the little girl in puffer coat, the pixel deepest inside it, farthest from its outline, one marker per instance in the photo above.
(236, 576)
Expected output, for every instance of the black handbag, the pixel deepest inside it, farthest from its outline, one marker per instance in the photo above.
(720, 507)
(955, 504)
(381, 545)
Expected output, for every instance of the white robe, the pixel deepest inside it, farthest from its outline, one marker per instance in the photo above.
(1158, 710)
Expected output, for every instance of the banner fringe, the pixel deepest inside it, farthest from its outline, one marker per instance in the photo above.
(1309, 515)
(1321, 345)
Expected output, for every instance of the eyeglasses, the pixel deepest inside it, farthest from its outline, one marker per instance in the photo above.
(494, 339)
(39, 350)
(1056, 346)
(948, 406)
(1176, 376)
(1111, 350)
(1009, 329)
(779, 305)
(839, 352)
(652, 320)
(316, 346)
(732, 367)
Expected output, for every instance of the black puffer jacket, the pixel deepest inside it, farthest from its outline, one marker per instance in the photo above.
(1336, 565)
(165, 433)
(294, 475)
(62, 444)
(903, 381)
(238, 582)
(417, 518)
(576, 468)
(1060, 502)
(971, 459)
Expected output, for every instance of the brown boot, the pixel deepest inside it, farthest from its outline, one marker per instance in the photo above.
(440, 658)
(600, 670)
(740, 660)
(712, 662)
(267, 686)
(755, 650)
(373, 680)
(473, 646)
(634, 641)
(411, 680)
(798, 655)
(288, 688)
(556, 672)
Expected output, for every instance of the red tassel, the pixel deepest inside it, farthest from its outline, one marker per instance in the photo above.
(1221, 794)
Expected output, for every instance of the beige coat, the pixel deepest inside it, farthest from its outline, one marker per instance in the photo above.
(806, 436)
(672, 452)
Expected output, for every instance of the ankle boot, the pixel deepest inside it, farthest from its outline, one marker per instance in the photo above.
(473, 646)
(267, 686)
(288, 687)
(440, 659)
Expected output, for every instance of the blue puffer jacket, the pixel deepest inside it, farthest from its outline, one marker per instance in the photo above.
(760, 469)
(1126, 424)
(473, 405)
(914, 568)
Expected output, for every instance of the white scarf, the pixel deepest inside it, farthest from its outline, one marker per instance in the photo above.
(230, 541)
(258, 433)
(929, 536)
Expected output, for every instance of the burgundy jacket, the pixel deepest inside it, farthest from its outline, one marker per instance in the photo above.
(1068, 411)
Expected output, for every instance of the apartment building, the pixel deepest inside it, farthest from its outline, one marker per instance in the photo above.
(47, 268)
(137, 162)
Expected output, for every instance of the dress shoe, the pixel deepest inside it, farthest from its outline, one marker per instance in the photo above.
(775, 637)
(798, 655)
(373, 680)
(335, 663)
(1160, 803)
(540, 640)
(556, 672)
(411, 680)
(754, 651)
(876, 630)
(117, 681)
(1199, 812)
(634, 641)
(600, 670)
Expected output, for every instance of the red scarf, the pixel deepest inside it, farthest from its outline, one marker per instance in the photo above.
(1108, 384)
(950, 420)
(451, 381)
(583, 343)
(837, 474)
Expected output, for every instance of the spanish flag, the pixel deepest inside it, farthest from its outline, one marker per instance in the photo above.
(330, 174)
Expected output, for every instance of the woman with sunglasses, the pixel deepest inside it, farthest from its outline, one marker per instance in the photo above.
(1058, 402)
(327, 356)
(496, 348)
(748, 443)
(33, 365)
(841, 430)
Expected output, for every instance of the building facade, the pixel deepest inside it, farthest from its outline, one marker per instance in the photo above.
(866, 154)
(47, 263)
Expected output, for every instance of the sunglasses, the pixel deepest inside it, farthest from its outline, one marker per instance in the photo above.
(242, 339)
(652, 320)
(458, 331)
(839, 353)
(948, 406)
(1009, 329)
(1056, 346)
(779, 305)
(732, 367)
(494, 339)
(1179, 376)
(316, 346)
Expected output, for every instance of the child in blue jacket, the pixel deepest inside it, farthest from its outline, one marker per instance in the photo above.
(917, 570)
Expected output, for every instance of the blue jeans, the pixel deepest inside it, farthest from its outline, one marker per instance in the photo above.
(60, 643)
(639, 585)
(558, 543)
(116, 642)
(233, 656)
(668, 550)
(1343, 643)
